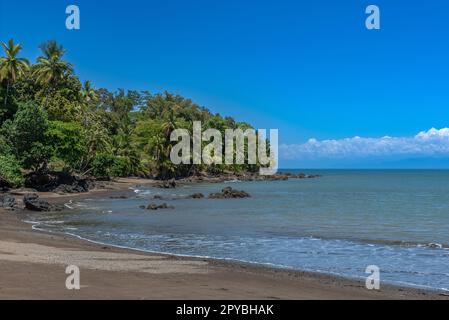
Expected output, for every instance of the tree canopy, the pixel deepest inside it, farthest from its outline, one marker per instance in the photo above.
(49, 120)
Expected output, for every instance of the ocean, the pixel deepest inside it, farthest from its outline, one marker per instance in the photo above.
(338, 224)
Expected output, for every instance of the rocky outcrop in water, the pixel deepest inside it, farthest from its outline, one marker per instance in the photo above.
(166, 184)
(180, 197)
(122, 197)
(153, 206)
(33, 203)
(245, 176)
(229, 193)
(196, 196)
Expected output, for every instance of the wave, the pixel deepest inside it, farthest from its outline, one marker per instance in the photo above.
(232, 181)
(70, 231)
(429, 245)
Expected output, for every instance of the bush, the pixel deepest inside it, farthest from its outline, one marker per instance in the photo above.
(10, 171)
(26, 134)
(121, 167)
(102, 165)
(5, 148)
(68, 140)
(107, 165)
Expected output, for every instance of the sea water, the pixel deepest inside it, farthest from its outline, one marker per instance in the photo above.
(337, 224)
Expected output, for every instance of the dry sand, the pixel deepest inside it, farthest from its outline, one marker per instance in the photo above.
(33, 264)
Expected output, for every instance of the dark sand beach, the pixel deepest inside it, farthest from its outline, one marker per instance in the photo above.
(33, 263)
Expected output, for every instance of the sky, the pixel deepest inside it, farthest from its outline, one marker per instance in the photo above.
(339, 94)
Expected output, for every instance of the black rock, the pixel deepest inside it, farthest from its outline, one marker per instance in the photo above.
(153, 206)
(7, 202)
(307, 176)
(33, 203)
(4, 185)
(229, 193)
(59, 182)
(167, 184)
(119, 197)
(196, 196)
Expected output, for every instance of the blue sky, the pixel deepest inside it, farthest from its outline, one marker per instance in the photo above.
(309, 68)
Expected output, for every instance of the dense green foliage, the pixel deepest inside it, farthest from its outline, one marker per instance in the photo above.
(26, 134)
(50, 120)
(10, 170)
(68, 142)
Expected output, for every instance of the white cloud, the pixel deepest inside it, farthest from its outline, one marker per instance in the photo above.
(433, 142)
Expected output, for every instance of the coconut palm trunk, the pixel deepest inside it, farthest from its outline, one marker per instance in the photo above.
(7, 92)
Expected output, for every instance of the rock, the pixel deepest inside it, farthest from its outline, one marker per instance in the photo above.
(165, 206)
(119, 197)
(4, 185)
(33, 203)
(306, 176)
(244, 176)
(59, 182)
(229, 193)
(166, 198)
(167, 184)
(275, 177)
(7, 202)
(180, 197)
(196, 196)
(172, 183)
(153, 206)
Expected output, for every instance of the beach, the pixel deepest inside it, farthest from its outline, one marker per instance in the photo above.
(234, 150)
(33, 265)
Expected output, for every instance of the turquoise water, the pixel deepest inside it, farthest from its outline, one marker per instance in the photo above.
(340, 224)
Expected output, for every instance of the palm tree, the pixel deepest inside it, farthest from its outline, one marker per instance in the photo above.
(125, 147)
(98, 141)
(50, 68)
(12, 67)
(169, 125)
(88, 93)
(159, 148)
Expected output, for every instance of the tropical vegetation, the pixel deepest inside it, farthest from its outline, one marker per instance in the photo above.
(49, 120)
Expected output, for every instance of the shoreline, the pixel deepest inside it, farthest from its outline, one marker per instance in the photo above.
(250, 264)
(28, 257)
